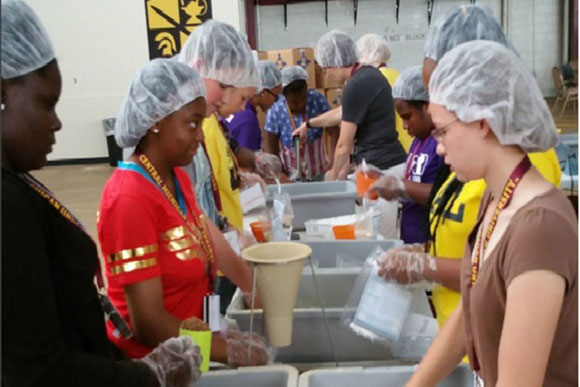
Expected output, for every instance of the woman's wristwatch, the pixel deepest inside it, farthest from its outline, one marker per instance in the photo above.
(308, 125)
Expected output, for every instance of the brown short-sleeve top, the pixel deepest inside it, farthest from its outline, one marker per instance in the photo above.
(542, 235)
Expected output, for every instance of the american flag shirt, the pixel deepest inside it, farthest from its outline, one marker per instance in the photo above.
(313, 152)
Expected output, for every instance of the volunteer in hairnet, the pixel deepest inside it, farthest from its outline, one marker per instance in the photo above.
(296, 106)
(373, 50)
(423, 163)
(454, 204)
(518, 315)
(244, 128)
(53, 327)
(162, 252)
(244, 125)
(367, 129)
(224, 60)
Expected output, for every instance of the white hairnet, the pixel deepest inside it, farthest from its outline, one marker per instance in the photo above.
(485, 80)
(463, 23)
(159, 88)
(270, 74)
(217, 51)
(293, 73)
(409, 86)
(372, 48)
(336, 49)
(26, 46)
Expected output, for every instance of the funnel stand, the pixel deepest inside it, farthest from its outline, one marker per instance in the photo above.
(252, 310)
(323, 313)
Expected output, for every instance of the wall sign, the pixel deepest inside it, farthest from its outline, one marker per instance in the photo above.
(169, 23)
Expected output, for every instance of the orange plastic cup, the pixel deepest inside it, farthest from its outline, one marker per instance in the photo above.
(343, 232)
(364, 181)
(260, 229)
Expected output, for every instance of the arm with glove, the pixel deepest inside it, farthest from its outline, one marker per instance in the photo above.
(410, 264)
(391, 187)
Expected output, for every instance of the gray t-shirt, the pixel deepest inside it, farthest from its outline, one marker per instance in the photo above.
(368, 102)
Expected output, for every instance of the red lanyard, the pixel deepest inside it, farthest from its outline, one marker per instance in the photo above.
(416, 151)
(62, 210)
(504, 201)
(198, 229)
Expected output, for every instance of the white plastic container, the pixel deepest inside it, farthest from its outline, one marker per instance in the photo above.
(264, 376)
(395, 376)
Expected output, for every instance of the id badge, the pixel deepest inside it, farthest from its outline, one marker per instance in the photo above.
(211, 311)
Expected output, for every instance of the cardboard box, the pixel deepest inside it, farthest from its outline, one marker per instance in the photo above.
(296, 57)
(334, 97)
(323, 81)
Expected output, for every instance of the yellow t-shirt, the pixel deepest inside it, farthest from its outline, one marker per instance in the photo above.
(404, 137)
(453, 231)
(224, 170)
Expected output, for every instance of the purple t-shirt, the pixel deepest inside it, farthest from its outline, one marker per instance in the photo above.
(245, 128)
(422, 166)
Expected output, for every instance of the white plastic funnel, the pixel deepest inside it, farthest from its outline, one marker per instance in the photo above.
(279, 270)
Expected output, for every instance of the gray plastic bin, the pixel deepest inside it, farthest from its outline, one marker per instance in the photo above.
(265, 376)
(318, 200)
(310, 342)
(395, 376)
(325, 253)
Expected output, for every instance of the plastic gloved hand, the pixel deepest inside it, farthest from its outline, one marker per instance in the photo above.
(248, 179)
(175, 362)
(268, 166)
(237, 347)
(301, 131)
(389, 188)
(405, 267)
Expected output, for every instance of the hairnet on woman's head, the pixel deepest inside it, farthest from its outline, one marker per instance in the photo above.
(217, 51)
(159, 88)
(485, 80)
(293, 73)
(336, 49)
(270, 74)
(409, 86)
(26, 46)
(463, 23)
(372, 48)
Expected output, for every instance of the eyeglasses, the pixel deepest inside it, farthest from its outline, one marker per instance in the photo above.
(439, 133)
(276, 96)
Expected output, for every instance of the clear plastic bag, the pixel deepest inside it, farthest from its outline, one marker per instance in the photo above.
(282, 216)
(385, 312)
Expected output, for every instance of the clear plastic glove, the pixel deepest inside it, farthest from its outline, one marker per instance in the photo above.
(268, 166)
(238, 344)
(405, 267)
(248, 179)
(175, 362)
(389, 188)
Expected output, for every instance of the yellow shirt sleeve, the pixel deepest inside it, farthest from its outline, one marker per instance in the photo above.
(548, 165)
(404, 137)
(224, 170)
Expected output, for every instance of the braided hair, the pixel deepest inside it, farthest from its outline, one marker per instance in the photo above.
(443, 209)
